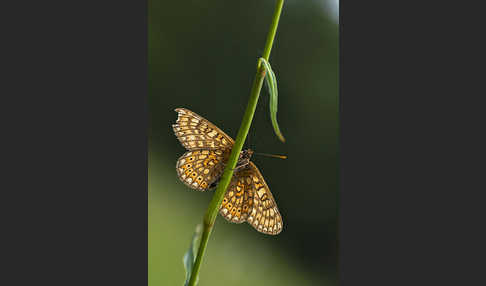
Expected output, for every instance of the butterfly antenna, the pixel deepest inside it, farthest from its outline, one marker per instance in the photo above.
(271, 155)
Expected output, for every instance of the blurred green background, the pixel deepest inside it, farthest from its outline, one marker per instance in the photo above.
(202, 56)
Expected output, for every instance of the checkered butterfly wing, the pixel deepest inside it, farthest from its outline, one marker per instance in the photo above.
(201, 167)
(248, 198)
(194, 132)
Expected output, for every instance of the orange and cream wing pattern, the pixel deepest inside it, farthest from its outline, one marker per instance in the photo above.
(199, 169)
(264, 215)
(194, 132)
(249, 198)
(238, 200)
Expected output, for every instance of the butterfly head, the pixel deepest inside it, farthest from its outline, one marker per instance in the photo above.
(246, 154)
(244, 158)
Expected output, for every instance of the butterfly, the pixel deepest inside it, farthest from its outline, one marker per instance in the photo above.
(248, 197)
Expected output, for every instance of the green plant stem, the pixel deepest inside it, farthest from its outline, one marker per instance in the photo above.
(218, 196)
(273, 30)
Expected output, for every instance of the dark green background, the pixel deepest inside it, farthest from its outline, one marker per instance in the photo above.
(202, 56)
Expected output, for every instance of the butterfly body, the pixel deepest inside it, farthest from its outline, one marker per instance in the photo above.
(248, 197)
(243, 161)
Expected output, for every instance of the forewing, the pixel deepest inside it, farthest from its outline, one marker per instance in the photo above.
(264, 215)
(194, 132)
(198, 169)
(248, 198)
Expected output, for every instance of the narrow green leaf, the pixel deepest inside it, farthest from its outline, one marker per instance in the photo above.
(190, 256)
(271, 83)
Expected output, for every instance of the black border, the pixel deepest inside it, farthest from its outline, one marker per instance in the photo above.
(76, 143)
(410, 117)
